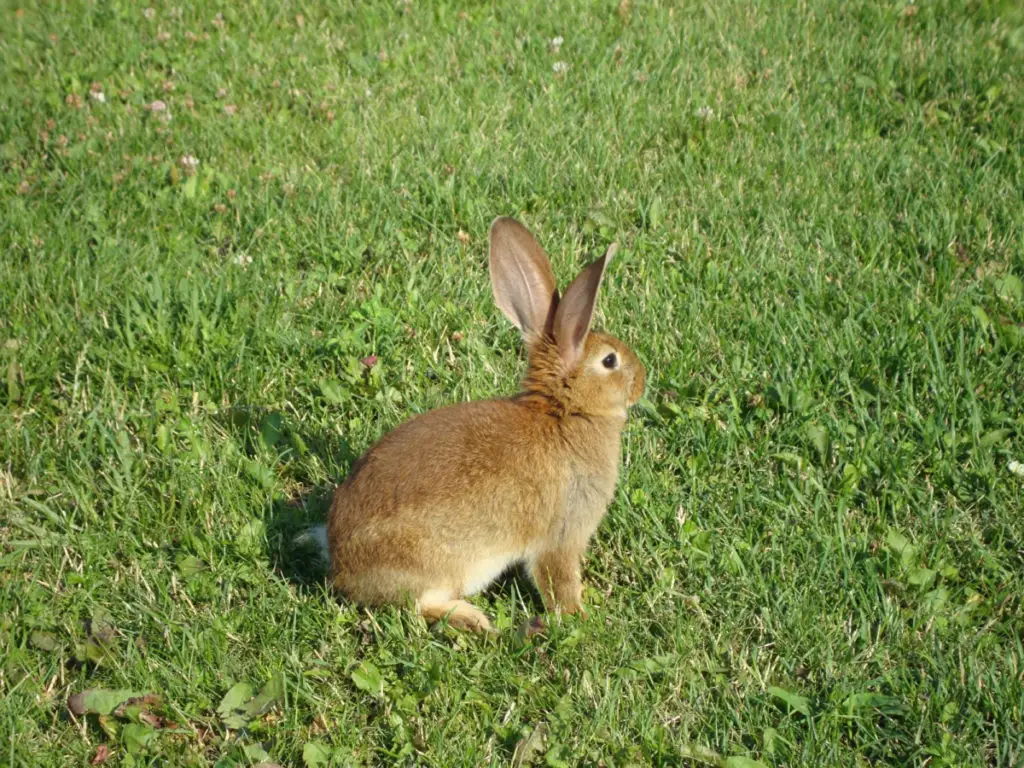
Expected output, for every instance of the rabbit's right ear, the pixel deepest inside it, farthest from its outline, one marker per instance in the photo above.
(576, 311)
(522, 279)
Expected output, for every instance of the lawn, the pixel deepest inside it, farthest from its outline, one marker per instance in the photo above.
(240, 241)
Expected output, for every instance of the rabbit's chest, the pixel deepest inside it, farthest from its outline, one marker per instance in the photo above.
(587, 498)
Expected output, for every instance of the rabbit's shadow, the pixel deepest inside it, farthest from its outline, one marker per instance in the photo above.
(294, 554)
(298, 558)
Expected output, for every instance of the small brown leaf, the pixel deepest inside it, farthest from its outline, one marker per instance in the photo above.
(143, 702)
(369, 361)
(531, 627)
(148, 718)
(101, 756)
(76, 703)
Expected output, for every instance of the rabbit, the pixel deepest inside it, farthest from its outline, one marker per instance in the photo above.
(442, 505)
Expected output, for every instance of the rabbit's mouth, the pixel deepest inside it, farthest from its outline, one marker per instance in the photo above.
(634, 375)
(636, 391)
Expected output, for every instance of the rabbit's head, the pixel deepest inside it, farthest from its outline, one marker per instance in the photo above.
(572, 370)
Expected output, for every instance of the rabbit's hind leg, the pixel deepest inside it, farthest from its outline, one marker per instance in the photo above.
(437, 604)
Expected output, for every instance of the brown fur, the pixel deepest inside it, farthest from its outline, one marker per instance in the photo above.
(444, 503)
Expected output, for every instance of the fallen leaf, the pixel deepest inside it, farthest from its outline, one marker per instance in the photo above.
(137, 709)
(369, 361)
(531, 627)
(101, 756)
(98, 701)
(146, 700)
(530, 747)
(148, 718)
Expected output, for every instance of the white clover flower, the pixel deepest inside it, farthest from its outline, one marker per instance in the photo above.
(243, 260)
(705, 113)
(149, 13)
(159, 109)
(556, 43)
(1016, 468)
(560, 67)
(189, 162)
(98, 96)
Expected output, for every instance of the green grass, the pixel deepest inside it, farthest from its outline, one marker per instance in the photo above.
(816, 552)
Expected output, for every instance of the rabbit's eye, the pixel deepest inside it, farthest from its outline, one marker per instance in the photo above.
(610, 361)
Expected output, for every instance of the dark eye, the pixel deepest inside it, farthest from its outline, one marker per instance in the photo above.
(610, 361)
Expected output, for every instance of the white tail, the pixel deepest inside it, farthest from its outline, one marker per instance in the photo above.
(315, 537)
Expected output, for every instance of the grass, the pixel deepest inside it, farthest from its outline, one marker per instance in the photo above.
(816, 551)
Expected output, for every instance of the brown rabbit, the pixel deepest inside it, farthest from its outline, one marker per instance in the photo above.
(445, 503)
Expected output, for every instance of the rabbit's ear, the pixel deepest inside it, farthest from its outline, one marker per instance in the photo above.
(576, 309)
(524, 285)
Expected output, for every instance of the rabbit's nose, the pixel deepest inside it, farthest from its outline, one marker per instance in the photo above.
(639, 382)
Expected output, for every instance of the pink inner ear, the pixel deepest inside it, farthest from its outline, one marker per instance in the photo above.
(521, 276)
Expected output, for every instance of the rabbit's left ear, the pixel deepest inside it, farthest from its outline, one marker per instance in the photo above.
(576, 309)
(522, 279)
